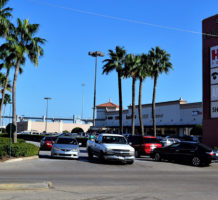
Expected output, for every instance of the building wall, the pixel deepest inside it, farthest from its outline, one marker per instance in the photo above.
(176, 113)
(191, 114)
(52, 127)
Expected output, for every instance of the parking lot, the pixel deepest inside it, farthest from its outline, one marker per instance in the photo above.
(82, 179)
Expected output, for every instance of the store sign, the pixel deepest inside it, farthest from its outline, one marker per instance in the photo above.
(214, 93)
(214, 110)
(214, 57)
(214, 81)
(214, 76)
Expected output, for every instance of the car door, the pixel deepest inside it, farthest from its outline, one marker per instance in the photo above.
(171, 152)
(186, 151)
(97, 145)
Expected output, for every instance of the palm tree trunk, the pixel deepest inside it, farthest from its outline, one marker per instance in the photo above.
(120, 102)
(14, 100)
(3, 115)
(140, 107)
(153, 106)
(3, 93)
(133, 106)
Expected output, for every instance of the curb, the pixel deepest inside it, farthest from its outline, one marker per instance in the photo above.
(30, 186)
(21, 159)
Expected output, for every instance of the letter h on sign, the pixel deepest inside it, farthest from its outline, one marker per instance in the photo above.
(214, 54)
(215, 109)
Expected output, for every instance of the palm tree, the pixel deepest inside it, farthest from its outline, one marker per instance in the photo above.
(7, 100)
(115, 62)
(131, 63)
(5, 14)
(21, 43)
(160, 63)
(143, 72)
(7, 64)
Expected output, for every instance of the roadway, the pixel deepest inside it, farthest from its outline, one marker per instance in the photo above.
(81, 179)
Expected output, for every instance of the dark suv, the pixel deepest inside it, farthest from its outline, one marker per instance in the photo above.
(143, 145)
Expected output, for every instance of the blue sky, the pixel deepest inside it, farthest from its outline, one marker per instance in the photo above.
(74, 27)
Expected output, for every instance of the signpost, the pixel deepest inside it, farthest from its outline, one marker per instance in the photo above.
(210, 80)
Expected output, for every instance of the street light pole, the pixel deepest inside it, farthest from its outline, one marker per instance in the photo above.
(83, 85)
(46, 98)
(95, 54)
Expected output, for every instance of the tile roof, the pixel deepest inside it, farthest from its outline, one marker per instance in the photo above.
(108, 105)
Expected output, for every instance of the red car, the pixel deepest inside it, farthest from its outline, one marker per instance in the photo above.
(143, 145)
(47, 142)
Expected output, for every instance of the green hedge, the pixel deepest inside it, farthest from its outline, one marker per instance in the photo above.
(34, 138)
(20, 149)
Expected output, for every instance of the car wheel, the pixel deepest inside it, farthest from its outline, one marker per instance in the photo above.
(90, 154)
(137, 155)
(196, 161)
(157, 157)
(101, 156)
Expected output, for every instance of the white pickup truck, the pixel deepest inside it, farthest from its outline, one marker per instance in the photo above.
(111, 147)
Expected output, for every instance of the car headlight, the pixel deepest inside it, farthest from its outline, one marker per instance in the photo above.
(109, 151)
(132, 153)
(75, 149)
(56, 149)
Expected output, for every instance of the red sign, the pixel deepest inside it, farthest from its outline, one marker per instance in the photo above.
(214, 56)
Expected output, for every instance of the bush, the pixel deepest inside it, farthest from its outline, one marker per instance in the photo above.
(35, 138)
(196, 130)
(6, 140)
(20, 149)
(77, 130)
(66, 131)
(10, 128)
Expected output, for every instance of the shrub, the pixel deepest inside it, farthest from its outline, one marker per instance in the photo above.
(35, 138)
(65, 131)
(10, 128)
(20, 149)
(77, 130)
(196, 130)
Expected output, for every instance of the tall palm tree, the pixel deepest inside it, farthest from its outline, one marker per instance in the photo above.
(143, 72)
(5, 14)
(7, 64)
(21, 43)
(160, 63)
(131, 64)
(116, 62)
(7, 100)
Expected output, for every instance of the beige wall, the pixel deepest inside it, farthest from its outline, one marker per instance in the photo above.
(52, 127)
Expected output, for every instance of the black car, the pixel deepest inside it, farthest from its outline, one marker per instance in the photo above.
(195, 153)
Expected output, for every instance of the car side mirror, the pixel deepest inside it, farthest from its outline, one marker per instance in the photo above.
(130, 143)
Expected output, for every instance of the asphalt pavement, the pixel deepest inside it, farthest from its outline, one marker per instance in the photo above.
(85, 180)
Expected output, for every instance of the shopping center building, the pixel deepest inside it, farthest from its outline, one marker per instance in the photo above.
(172, 117)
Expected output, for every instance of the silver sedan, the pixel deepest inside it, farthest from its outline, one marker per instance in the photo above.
(65, 147)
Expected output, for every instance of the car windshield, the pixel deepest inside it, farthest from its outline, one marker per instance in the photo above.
(114, 140)
(66, 141)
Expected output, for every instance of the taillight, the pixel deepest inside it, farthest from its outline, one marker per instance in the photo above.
(210, 153)
(48, 142)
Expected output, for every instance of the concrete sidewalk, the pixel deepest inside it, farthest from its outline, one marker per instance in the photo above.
(21, 159)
